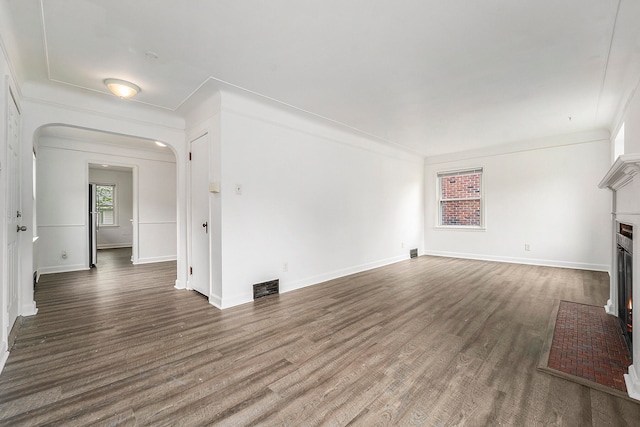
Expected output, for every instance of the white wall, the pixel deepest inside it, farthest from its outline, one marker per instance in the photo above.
(156, 211)
(545, 197)
(119, 235)
(63, 178)
(631, 120)
(323, 200)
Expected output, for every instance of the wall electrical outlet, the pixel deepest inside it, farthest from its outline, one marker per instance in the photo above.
(285, 266)
(527, 247)
(64, 255)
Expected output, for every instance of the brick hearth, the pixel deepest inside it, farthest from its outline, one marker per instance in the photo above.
(588, 343)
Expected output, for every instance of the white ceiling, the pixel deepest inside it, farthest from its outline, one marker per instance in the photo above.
(433, 76)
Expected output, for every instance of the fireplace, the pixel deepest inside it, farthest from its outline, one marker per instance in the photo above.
(624, 255)
(623, 179)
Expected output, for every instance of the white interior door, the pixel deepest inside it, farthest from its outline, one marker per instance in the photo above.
(200, 278)
(13, 212)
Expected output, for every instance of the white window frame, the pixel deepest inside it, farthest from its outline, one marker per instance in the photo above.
(439, 199)
(115, 208)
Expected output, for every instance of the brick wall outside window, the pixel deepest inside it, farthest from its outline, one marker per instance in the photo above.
(460, 198)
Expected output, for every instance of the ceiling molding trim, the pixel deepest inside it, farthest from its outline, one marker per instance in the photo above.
(110, 95)
(113, 150)
(606, 63)
(618, 119)
(51, 79)
(100, 113)
(44, 40)
(554, 141)
(327, 120)
(369, 145)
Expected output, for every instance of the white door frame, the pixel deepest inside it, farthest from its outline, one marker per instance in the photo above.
(134, 173)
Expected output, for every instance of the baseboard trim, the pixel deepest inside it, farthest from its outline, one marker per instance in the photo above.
(29, 309)
(155, 259)
(234, 301)
(310, 281)
(608, 308)
(115, 246)
(62, 268)
(336, 274)
(633, 383)
(526, 261)
(215, 301)
(13, 333)
(4, 355)
(178, 284)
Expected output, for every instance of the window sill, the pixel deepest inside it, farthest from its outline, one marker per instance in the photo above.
(459, 228)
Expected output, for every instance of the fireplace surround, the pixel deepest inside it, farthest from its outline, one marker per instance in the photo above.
(624, 261)
(623, 179)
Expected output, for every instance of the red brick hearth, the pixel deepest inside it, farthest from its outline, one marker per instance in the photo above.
(588, 343)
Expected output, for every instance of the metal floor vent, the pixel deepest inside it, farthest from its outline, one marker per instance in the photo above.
(266, 288)
(413, 253)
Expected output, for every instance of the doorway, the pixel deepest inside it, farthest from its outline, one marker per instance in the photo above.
(66, 157)
(111, 209)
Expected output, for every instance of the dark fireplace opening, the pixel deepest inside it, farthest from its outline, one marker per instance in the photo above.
(624, 240)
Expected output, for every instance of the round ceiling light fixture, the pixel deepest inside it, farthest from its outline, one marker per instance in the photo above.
(122, 88)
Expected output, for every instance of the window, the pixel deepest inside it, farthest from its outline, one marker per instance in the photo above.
(460, 198)
(106, 203)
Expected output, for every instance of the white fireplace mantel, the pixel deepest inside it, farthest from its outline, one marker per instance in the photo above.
(624, 171)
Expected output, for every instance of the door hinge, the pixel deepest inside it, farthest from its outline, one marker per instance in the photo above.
(189, 155)
(191, 271)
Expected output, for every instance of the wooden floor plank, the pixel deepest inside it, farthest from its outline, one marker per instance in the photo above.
(428, 341)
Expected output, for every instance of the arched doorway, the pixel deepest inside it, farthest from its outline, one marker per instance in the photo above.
(65, 158)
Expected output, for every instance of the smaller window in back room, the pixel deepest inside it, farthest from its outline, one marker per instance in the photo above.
(460, 198)
(106, 195)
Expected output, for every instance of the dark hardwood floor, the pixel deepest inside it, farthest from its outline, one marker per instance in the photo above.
(428, 341)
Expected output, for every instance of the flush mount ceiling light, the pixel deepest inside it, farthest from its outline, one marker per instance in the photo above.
(122, 88)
